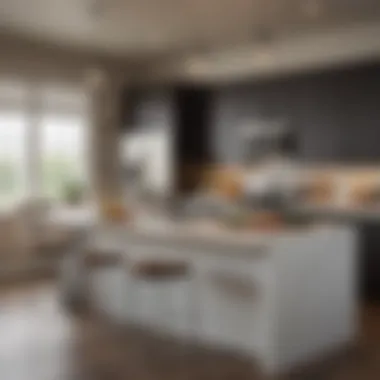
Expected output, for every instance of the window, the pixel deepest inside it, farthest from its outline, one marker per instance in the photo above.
(12, 156)
(42, 140)
(63, 155)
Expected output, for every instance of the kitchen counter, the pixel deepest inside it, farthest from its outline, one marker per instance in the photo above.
(354, 213)
(283, 297)
(205, 234)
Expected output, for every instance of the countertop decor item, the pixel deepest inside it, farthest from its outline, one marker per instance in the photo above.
(115, 211)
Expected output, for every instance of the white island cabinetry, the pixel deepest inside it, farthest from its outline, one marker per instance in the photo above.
(284, 299)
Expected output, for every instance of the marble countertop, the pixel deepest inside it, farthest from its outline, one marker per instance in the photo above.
(198, 236)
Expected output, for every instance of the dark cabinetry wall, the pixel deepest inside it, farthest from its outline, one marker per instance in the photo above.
(192, 136)
(149, 109)
(193, 111)
(336, 115)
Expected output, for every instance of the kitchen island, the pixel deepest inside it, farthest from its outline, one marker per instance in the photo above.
(366, 220)
(284, 297)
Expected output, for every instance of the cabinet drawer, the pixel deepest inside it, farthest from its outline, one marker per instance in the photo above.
(236, 299)
(256, 269)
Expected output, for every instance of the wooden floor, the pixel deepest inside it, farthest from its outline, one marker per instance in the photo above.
(40, 341)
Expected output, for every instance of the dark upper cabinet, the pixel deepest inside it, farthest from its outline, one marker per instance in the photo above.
(335, 114)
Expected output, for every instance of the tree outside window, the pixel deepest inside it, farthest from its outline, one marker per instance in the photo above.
(63, 158)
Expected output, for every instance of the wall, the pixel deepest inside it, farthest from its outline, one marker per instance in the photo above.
(335, 114)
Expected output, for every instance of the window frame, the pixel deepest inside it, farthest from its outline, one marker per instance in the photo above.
(29, 100)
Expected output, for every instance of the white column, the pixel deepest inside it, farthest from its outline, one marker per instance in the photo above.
(104, 135)
(33, 142)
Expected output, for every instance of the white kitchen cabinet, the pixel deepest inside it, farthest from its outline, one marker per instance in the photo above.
(284, 298)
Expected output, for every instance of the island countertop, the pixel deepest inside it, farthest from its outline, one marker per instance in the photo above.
(205, 236)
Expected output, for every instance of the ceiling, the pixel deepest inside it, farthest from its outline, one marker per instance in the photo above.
(137, 28)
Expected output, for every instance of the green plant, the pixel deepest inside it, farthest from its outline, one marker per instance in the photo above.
(73, 192)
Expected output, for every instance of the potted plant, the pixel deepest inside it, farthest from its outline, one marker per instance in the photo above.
(73, 192)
